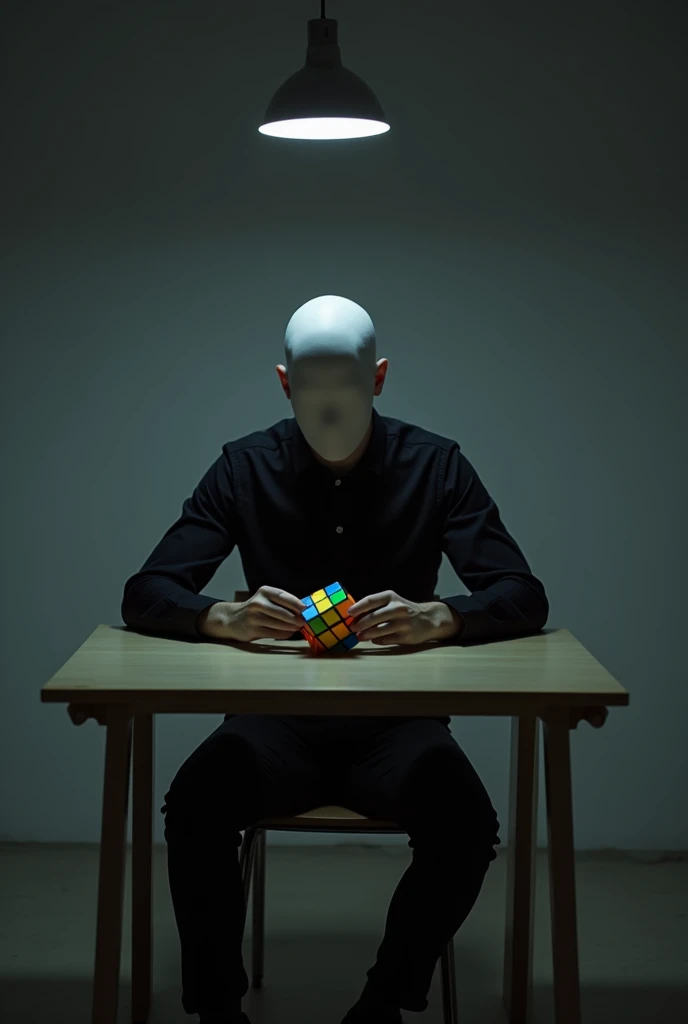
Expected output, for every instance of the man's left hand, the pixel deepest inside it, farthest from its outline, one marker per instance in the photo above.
(387, 618)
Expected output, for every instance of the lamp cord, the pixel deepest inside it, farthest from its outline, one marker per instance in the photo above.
(322, 8)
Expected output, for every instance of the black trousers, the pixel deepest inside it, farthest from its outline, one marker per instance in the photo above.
(409, 770)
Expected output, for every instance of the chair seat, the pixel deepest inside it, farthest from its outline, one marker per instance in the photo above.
(329, 818)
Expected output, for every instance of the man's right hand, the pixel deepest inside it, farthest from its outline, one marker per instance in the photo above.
(270, 613)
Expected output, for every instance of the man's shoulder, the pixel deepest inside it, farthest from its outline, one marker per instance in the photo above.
(268, 438)
(412, 434)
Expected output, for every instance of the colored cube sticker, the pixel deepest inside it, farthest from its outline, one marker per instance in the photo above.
(327, 621)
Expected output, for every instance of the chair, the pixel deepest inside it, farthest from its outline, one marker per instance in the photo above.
(253, 856)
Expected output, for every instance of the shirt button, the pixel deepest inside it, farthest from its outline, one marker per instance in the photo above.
(337, 483)
(340, 529)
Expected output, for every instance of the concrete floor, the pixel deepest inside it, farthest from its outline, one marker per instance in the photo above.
(325, 912)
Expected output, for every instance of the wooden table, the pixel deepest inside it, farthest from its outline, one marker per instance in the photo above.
(123, 678)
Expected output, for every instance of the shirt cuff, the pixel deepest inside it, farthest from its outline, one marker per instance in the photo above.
(476, 620)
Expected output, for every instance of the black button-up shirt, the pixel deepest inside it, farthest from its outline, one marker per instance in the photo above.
(381, 526)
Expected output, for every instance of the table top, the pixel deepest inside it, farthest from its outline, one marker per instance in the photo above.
(117, 665)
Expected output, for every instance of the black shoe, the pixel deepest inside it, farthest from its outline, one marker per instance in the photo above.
(231, 1018)
(361, 1013)
(367, 1015)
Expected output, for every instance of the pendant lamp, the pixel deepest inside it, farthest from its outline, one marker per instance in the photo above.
(324, 100)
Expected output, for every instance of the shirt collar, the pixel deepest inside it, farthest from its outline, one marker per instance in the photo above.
(372, 461)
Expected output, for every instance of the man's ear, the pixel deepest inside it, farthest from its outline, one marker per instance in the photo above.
(284, 380)
(380, 374)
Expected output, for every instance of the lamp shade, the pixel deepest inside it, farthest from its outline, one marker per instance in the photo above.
(324, 100)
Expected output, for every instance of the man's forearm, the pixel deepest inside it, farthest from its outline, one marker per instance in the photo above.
(161, 605)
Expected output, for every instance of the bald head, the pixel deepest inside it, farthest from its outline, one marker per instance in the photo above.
(333, 326)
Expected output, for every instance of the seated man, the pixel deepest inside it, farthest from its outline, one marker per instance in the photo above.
(337, 492)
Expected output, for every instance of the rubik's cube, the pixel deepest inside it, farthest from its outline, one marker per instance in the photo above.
(328, 620)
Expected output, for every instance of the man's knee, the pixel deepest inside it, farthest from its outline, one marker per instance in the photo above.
(444, 796)
(218, 779)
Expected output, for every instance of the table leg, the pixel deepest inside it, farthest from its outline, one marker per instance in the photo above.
(562, 878)
(141, 875)
(520, 898)
(112, 865)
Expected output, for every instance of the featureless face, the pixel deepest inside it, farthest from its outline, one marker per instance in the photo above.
(332, 397)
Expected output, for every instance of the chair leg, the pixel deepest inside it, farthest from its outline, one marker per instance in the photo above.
(449, 1007)
(246, 861)
(258, 943)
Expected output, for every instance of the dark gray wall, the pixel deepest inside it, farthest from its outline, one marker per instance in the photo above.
(519, 240)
